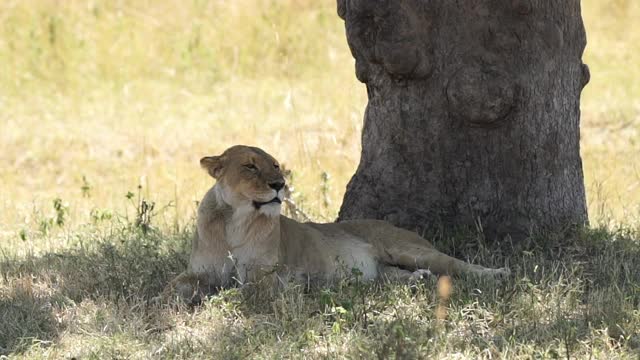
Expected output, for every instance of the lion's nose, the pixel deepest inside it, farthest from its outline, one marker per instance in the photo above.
(276, 185)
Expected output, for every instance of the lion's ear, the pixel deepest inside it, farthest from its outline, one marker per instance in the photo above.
(213, 164)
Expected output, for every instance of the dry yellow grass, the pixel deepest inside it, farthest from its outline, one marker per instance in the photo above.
(136, 93)
(133, 93)
(611, 110)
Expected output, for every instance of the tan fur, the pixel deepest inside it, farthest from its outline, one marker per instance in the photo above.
(238, 241)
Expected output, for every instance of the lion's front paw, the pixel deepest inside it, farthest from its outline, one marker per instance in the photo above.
(188, 288)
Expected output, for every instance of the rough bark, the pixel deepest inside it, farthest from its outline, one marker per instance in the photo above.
(473, 113)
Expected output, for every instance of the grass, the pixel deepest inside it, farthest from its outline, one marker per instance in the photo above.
(573, 298)
(105, 106)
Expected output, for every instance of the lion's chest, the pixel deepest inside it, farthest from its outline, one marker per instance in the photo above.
(253, 250)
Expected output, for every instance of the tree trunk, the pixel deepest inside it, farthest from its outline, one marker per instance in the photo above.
(473, 114)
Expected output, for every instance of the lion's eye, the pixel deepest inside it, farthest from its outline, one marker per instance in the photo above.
(251, 167)
(276, 166)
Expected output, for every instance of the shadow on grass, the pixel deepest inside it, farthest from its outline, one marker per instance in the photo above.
(128, 266)
(121, 271)
(26, 319)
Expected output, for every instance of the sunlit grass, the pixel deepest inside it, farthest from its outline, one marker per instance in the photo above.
(135, 93)
(611, 110)
(123, 94)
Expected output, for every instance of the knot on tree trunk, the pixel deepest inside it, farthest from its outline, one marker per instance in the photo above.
(586, 75)
(387, 36)
(481, 96)
(522, 7)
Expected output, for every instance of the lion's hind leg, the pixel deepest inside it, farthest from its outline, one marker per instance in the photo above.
(411, 254)
(408, 250)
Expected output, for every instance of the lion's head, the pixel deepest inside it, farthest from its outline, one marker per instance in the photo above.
(248, 178)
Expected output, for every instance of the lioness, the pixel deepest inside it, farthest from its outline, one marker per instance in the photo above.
(242, 237)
